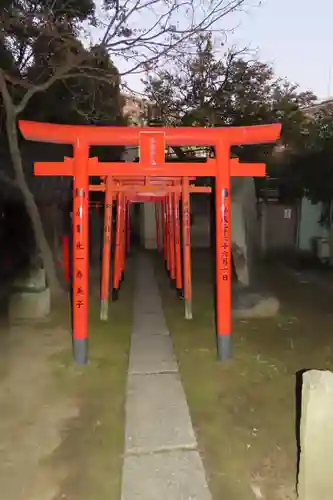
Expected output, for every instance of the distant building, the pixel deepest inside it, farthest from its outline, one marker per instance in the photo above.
(322, 105)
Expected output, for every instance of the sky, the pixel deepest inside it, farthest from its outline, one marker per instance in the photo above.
(296, 36)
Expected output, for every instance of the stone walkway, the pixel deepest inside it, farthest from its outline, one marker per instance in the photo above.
(161, 458)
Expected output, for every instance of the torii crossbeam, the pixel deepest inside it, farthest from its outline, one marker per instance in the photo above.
(152, 143)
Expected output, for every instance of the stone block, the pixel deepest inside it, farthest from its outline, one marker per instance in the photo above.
(157, 414)
(146, 305)
(176, 475)
(152, 323)
(30, 305)
(152, 354)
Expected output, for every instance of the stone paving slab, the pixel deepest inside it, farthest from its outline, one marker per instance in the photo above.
(152, 354)
(157, 414)
(148, 307)
(161, 461)
(149, 323)
(147, 304)
(177, 475)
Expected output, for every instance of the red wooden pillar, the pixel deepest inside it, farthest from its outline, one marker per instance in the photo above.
(106, 258)
(178, 258)
(80, 253)
(123, 238)
(128, 227)
(117, 253)
(157, 222)
(187, 248)
(167, 234)
(223, 251)
(171, 239)
(163, 226)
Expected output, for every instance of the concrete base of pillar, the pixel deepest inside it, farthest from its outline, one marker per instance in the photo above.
(224, 347)
(104, 314)
(80, 351)
(188, 309)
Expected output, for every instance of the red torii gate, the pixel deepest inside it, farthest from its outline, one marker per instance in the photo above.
(157, 189)
(165, 192)
(152, 143)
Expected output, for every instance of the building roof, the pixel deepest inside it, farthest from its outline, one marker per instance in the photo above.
(319, 105)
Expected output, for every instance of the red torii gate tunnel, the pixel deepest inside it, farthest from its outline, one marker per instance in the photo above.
(152, 143)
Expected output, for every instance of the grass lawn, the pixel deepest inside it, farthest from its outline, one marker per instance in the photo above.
(244, 410)
(91, 451)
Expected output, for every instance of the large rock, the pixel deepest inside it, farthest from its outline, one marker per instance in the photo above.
(252, 304)
(245, 229)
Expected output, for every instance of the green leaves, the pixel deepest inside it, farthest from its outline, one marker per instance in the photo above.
(311, 164)
(41, 44)
(203, 89)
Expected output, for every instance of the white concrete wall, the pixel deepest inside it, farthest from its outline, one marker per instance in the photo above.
(309, 226)
(148, 226)
(200, 229)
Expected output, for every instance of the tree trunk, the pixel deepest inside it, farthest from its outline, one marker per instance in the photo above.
(29, 201)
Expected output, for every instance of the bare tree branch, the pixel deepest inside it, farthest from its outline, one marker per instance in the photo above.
(63, 73)
(165, 28)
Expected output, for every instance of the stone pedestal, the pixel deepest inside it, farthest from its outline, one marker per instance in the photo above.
(31, 298)
(30, 305)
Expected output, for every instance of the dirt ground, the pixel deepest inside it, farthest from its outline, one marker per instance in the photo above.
(32, 413)
(246, 411)
(61, 426)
